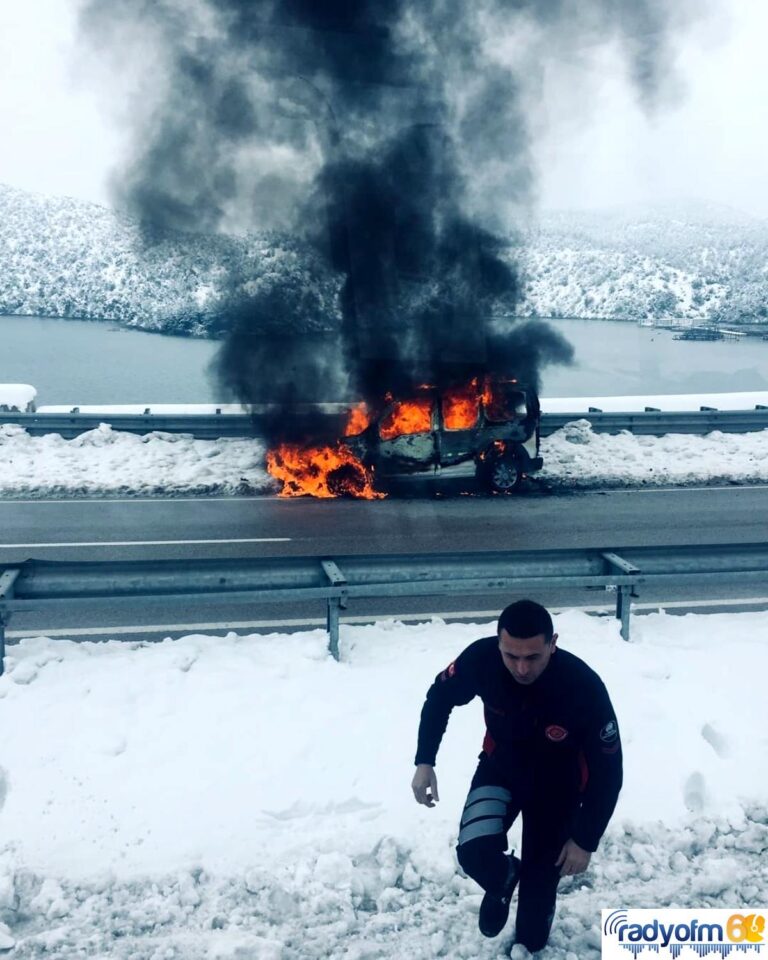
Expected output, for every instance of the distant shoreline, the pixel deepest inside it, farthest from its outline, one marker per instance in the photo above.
(121, 324)
(754, 329)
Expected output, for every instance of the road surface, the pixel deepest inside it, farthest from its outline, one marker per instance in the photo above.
(244, 527)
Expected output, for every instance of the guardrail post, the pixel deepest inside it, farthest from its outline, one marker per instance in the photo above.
(623, 601)
(7, 582)
(623, 590)
(332, 625)
(335, 605)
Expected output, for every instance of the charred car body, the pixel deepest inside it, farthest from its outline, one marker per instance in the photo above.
(497, 427)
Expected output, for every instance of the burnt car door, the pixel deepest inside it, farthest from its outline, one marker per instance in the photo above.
(406, 434)
(510, 412)
(460, 422)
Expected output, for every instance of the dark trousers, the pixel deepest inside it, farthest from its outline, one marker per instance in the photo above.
(496, 797)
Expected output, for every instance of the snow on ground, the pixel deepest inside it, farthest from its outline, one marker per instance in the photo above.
(248, 797)
(577, 457)
(107, 461)
(110, 461)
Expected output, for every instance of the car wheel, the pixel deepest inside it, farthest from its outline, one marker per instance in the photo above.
(348, 480)
(503, 473)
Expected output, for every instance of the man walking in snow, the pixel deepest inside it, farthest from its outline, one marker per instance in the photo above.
(551, 753)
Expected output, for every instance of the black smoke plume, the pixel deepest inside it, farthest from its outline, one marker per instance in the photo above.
(390, 137)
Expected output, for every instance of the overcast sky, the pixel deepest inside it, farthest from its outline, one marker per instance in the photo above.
(59, 135)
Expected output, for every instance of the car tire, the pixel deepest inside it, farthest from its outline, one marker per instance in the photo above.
(502, 472)
(347, 481)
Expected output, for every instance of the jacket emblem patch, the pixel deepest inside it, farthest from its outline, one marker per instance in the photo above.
(449, 671)
(610, 732)
(555, 733)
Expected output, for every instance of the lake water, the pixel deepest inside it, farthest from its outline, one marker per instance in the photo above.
(77, 362)
(613, 359)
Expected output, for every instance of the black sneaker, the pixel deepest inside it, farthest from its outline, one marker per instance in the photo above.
(494, 910)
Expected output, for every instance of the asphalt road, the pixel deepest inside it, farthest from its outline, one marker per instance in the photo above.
(178, 529)
(238, 527)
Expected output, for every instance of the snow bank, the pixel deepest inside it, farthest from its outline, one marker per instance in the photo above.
(17, 396)
(107, 461)
(247, 797)
(576, 456)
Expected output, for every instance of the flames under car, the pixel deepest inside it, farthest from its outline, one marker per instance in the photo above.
(497, 427)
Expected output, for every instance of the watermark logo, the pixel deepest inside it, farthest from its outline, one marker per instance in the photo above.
(684, 933)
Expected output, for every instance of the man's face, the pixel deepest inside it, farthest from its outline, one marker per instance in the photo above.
(526, 659)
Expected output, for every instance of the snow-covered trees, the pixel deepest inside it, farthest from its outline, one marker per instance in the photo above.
(695, 262)
(62, 257)
(65, 258)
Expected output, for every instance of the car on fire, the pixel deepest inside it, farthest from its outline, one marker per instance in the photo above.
(496, 427)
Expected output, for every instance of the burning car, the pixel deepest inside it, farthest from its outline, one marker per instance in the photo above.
(493, 423)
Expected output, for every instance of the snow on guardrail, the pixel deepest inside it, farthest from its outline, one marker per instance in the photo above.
(744, 400)
(19, 397)
(667, 403)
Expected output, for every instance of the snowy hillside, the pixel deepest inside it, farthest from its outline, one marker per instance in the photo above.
(690, 261)
(64, 257)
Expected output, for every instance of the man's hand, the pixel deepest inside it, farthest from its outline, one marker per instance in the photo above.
(572, 859)
(424, 785)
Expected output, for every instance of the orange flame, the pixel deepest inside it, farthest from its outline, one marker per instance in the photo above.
(359, 420)
(406, 417)
(461, 407)
(322, 472)
(490, 395)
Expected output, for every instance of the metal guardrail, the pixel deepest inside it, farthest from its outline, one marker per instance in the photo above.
(110, 586)
(212, 426)
(69, 425)
(657, 423)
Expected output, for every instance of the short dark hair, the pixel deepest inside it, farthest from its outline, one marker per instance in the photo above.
(526, 618)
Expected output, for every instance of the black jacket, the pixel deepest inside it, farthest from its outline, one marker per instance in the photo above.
(561, 729)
